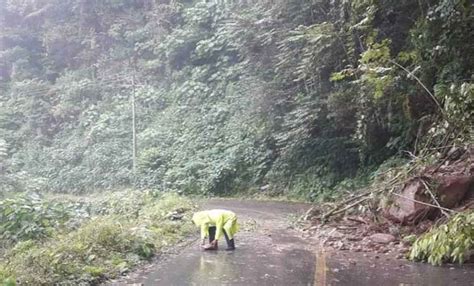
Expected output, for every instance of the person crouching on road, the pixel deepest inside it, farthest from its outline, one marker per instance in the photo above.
(214, 224)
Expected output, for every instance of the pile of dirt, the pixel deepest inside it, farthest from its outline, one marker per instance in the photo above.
(420, 202)
(360, 234)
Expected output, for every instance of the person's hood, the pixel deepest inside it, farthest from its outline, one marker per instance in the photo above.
(200, 218)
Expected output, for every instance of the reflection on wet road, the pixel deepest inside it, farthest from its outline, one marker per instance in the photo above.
(269, 255)
(273, 254)
(245, 267)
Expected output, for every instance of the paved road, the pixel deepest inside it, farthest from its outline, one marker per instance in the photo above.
(270, 253)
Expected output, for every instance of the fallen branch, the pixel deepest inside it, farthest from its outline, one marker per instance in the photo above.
(337, 207)
(308, 213)
(359, 198)
(357, 219)
(434, 198)
(335, 211)
(426, 204)
(410, 74)
(363, 197)
(328, 236)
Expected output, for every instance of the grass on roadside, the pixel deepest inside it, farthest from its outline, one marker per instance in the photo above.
(102, 246)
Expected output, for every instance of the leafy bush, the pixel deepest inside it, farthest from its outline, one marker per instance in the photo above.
(28, 216)
(124, 203)
(5, 278)
(103, 246)
(75, 255)
(448, 242)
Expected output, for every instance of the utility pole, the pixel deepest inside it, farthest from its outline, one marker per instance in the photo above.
(134, 129)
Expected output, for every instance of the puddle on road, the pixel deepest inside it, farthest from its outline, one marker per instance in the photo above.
(245, 266)
(275, 255)
(250, 265)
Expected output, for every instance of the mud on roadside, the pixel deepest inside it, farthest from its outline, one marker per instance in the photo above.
(358, 234)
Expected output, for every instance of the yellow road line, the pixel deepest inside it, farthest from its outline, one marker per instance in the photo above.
(320, 271)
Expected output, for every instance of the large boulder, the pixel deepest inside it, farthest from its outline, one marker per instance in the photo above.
(404, 208)
(452, 189)
(450, 183)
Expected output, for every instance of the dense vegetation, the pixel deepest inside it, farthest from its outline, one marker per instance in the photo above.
(301, 98)
(52, 241)
(449, 242)
(300, 95)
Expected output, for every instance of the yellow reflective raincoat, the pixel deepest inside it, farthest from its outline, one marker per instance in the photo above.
(221, 219)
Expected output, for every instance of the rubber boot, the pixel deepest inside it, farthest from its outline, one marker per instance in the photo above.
(230, 242)
(212, 233)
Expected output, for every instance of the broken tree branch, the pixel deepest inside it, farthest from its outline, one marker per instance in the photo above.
(434, 198)
(337, 209)
(336, 212)
(423, 203)
(410, 74)
(360, 198)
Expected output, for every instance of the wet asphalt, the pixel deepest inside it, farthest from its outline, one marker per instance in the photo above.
(270, 252)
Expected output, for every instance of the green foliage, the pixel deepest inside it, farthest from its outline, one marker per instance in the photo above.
(5, 278)
(29, 217)
(296, 94)
(103, 246)
(9, 282)
(374, 64)
(458, 106)
(3, 150)
(449, 242)
(75, 256)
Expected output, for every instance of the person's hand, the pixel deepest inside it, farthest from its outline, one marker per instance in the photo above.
(214, 242)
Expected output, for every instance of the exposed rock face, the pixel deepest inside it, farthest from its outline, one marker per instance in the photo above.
(405, 209)
(453, 189)
(450, 183)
